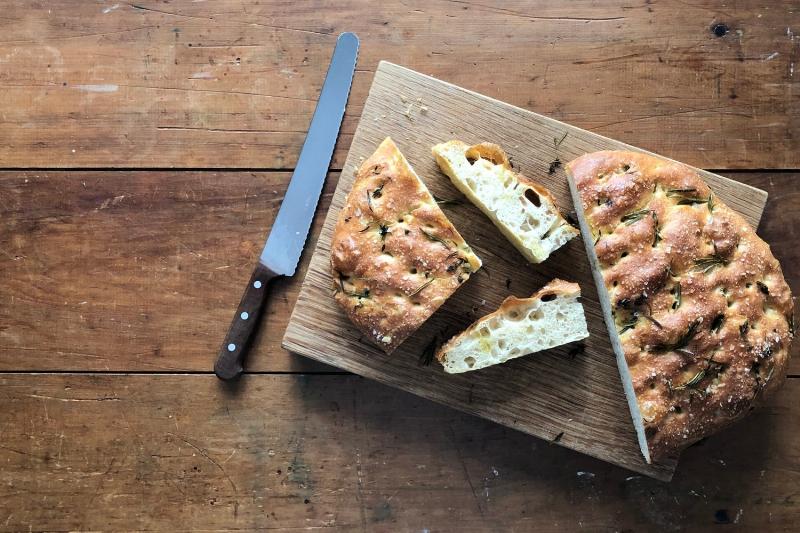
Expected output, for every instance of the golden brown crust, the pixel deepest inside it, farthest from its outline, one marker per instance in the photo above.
(703, 310)
(395, 256)
(556, 287)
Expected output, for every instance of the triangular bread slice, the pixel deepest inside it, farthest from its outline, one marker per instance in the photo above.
(552, 316)
(523, 210)
(395, 257)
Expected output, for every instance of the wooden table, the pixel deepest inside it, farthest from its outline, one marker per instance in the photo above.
(145, 149)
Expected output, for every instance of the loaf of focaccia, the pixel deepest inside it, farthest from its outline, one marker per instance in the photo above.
(395, 257)
(697, 307)
(552, 316)
(524, 211)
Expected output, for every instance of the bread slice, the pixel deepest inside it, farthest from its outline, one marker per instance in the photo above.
(524, 211)
(550, 317)
(697, 308)
(395, 257)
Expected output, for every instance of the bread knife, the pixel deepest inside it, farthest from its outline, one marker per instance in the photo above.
(288, 235)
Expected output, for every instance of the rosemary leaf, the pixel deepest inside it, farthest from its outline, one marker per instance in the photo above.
(377, 193)
(369, 200)
(707, 264)
(557, 142)
(697, 378)
(655, 322)
(435, 238)
(744, 328)
(680, 344)
(421, 287)
(630, 324)
(656, 230)
(635, 216)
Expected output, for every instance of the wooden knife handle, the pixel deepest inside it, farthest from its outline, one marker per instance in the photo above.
(237, 341)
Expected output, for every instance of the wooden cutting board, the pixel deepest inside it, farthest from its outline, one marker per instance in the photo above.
(571, 396)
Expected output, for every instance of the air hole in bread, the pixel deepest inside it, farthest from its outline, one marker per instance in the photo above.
(677, 409)
(748, 285)
(470, 361)
(536, 315)
(533, 198)
(407, 232)
(548, 297)
(652, 384)
(615, 283)
(624, 254)
(502, 344)
(400, 220)
(626, 168)
(413, 271)
(472, 159)
(514, 351)
(484, 331)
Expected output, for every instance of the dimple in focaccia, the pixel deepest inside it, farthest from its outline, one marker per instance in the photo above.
(701, 309)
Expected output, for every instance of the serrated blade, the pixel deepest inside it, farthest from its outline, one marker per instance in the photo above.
(289, 232)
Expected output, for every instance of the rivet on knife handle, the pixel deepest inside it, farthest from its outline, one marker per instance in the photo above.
(234, 347)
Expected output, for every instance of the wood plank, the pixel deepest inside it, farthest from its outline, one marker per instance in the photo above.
(233, 84)
(142, 271)
(51, 226)
(533, 394)
(88, 452)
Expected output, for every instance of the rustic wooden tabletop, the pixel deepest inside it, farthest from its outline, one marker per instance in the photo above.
(145, 149)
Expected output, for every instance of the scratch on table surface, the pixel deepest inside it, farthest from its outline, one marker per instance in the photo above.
(59, 399)
(97, 88)
(512, 13)
(466, 471)
(109, 9)
(770, 57)
(204, 453)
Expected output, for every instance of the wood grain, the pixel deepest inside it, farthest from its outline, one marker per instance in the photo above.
(539, 395)
(138, 271)
(166, 453)
(171, 231)
(223, 83)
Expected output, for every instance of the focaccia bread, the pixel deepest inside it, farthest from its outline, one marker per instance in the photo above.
(524, 211)
(696, 305)
(552, 316)
(395, 256)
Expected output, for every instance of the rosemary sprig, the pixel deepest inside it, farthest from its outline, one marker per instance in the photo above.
(435, 238)
(655, 322)
(460, 261)
(421, 287)
(635, 216)
(707, 264)
(680, 344)
(384, 231)
(685, 198)
(656, 230)
(697, 378)
(630, 324)
(555, 164)
(363, 294)
(557, 142)
(717, 323)
(377, 193)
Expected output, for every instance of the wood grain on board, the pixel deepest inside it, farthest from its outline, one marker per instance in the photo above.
(161, 235)
(167, 453)
(162, 83)
(573, 387)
